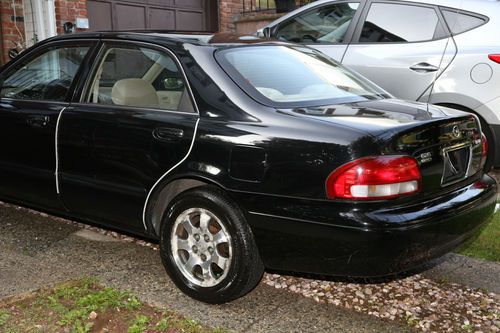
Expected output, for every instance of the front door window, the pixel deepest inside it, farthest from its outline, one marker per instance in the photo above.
(326, 24)
(47, 77)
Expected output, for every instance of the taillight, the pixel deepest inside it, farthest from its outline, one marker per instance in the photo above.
(495, 58)
(484, 143)
(374, 178)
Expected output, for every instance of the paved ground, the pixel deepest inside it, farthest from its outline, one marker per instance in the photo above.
(38, 250)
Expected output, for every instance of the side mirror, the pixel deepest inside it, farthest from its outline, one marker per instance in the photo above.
(266, 32)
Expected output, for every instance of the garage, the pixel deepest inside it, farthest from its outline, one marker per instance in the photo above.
(181, 15)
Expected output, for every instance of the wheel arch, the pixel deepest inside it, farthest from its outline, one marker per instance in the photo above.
(165, 192)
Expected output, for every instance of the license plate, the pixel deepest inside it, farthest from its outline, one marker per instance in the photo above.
(456, 164)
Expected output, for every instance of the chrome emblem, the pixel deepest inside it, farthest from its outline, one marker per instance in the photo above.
(425, 157)
(456, 131)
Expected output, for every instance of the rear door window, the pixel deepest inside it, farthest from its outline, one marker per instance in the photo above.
(459, 21)
(398, 23)
(139, 77)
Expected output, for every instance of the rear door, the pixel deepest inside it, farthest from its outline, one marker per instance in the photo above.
(401, 46)
(33, 92)
(135, 121)
(327, 27)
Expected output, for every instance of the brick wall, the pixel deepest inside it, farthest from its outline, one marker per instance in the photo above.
(11, 36)
(229, 13)
(65, 11)
(68, 11)
(233, 20)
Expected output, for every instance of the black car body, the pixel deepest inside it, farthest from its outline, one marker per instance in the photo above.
(67, 147)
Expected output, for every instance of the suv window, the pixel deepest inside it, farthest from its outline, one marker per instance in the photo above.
(459, 22)
(396, 23)
(46, 77)
(139, 77)
(327, 24)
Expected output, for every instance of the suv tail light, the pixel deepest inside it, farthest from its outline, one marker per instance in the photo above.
(374, 178)
(495, 58)
(484, 143)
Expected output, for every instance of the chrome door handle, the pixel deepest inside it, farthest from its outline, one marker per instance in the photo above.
(38, 121)
(424, 67)
(168, 134)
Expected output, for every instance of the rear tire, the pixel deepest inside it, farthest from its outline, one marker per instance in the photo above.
(208, 248)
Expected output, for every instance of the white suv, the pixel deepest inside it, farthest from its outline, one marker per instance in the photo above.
(445, 52)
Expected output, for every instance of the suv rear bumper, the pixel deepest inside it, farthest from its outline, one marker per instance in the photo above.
(354, 240)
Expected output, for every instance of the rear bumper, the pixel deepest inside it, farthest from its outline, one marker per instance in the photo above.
(362, 240)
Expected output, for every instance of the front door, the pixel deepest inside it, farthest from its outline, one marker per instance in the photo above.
(326, 27)
(401, 47)
(33, 92)
(135, 122)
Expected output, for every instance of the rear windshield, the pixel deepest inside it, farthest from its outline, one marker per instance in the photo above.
(289, 76)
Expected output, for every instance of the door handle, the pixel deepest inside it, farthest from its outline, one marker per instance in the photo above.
(38, 121)
(424, 67)
(168, 134)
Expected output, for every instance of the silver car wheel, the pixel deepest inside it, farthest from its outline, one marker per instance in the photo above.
(201, 247)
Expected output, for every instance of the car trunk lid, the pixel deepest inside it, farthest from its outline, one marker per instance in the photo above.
(445, 142)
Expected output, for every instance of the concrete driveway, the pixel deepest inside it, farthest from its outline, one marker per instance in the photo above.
(38, 250)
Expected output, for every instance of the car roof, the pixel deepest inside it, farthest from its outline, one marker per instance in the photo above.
(218, 40)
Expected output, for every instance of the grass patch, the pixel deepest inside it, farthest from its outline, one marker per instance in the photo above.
(487, 244)
(84, 306)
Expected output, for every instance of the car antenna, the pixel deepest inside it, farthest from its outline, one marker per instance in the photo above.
(443, 55)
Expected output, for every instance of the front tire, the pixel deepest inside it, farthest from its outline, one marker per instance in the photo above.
(208, 248)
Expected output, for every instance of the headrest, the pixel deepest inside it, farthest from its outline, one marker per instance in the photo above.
(134, 92)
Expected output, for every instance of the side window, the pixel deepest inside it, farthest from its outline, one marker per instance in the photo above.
(327, 24)
(46, 77)
(459, 22)
(395, 23)
(139, 77)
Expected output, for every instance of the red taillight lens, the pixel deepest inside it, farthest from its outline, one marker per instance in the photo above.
(495, 58)
(373, 178)
(484, 143)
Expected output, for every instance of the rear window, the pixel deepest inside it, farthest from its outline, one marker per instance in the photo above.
(398, 23)
(285, 76)
(459, 21)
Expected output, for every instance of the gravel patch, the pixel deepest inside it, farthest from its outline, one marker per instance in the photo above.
(425, 304)
(422, 303)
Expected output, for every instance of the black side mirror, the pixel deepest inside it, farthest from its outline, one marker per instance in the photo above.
(270, 32)
(266, 32)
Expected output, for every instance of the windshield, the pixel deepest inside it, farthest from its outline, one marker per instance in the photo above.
(288, 76)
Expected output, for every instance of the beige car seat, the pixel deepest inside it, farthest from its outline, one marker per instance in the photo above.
(134, 92)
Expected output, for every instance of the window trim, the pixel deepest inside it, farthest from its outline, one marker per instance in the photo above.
(39, 50)
(93, 70)
(366, 10)
(465, 12)
(350, 31)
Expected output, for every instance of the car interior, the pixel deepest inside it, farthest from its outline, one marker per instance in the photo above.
(139, 77)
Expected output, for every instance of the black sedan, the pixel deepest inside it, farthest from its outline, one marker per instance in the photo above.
(238, 155)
